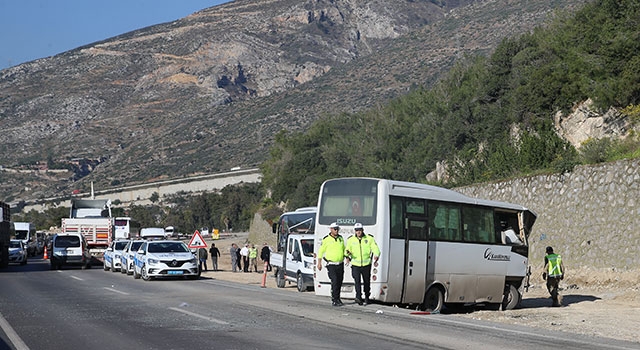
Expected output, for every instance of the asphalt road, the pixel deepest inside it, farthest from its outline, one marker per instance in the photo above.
(76, 309)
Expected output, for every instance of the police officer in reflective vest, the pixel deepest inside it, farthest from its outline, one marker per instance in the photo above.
(554, 272)
(332, 251)
(359, 250)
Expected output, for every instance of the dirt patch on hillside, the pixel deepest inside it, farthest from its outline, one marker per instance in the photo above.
(599, 302)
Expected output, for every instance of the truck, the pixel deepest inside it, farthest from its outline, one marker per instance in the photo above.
(92, 218)
(6, 231)
(292, 260)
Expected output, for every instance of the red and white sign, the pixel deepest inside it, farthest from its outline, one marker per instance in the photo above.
(197, 241)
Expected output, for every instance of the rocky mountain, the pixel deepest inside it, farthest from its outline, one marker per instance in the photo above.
(209, 92)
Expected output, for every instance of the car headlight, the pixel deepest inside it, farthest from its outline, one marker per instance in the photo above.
(117, 256)
(194, 261)
(153, 261)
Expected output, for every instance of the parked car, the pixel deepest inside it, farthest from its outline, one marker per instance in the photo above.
(165, 259)
(70, 249)
(113, 255)
(17, 252)
(126, 260)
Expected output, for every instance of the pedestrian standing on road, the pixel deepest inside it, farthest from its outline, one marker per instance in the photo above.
(233, 251)
(554, 273)
(359, 251)
(245, 257)
(253, 258)
(265, 256)
(203, 256)
(332, 252)
(238, 260)
(215, 254)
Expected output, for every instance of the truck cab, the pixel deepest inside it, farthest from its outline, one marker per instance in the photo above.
(295, 264)
(26, 232)
(293, 258)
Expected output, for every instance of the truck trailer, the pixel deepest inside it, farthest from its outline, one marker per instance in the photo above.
(6, 230)
(92, 218)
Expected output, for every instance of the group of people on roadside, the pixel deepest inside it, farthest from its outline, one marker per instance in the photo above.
(245, 259)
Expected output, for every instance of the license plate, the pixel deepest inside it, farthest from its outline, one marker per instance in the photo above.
(346, 289)
(174, 272)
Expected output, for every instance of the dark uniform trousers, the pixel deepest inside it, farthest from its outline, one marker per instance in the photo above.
(336, 275)
(365, 273)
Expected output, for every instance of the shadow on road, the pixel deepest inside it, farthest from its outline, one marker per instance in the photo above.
(532, 303)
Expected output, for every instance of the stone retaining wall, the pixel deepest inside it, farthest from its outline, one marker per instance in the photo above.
(590, 216)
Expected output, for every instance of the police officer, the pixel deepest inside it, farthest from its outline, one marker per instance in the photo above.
(554, 272)
(332, 251)
(360, 248)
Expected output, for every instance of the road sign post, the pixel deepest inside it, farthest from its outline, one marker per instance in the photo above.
(197, 242)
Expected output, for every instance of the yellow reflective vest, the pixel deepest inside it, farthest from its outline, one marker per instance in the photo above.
(332, 249)
(555, 269)
(360, 251)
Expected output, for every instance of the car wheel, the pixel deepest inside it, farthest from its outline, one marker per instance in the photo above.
(136, 275)
(280, 281)
(113, 269)
(123, 269)
(300, 283)
(144, 272)
(105, 267)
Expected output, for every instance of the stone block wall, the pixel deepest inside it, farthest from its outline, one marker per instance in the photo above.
(590, 216)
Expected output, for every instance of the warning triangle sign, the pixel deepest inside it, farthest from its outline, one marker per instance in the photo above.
(197, 241)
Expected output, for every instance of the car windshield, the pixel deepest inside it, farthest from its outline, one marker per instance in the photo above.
(120, 245)
(135, 246)
(14, 244)
(167, 247)
(67, 241)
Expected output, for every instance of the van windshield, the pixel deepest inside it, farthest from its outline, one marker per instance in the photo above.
(21, 234)
(67, 241)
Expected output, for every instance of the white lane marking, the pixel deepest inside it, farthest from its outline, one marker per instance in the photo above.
(78, 278)
(116, 291)
(13, 336)
(198, 315)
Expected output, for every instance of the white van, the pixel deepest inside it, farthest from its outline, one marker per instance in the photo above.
(69, 249)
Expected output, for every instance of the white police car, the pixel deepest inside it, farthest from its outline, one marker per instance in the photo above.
(165, 259)
(128, 255)
(113, 254)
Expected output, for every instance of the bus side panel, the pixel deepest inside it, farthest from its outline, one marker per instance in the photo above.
(473, 273)
(395, 276)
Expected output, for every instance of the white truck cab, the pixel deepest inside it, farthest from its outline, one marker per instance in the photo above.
(295, 264)
(293, 258)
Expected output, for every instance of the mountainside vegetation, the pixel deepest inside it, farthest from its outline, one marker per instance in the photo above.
(210, 91)
(489, 118)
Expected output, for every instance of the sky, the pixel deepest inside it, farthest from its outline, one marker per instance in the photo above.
(32, 29)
